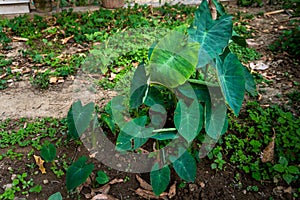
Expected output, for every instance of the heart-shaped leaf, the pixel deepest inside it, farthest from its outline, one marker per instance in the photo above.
(250, 85)
(55, 196)
(173, 60)
(160, 178)
(232, 82)
(77, 173)
(102, 177)
(188, 119)
(134, 134)
(194, 91)
(48, 151)
(216, 122)
(79, 118)
(185, 166)
(139, 87)
(213, 35)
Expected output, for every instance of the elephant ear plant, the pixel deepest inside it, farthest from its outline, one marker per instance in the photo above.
(182, 94)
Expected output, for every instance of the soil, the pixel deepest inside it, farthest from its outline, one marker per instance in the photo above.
(21, 99)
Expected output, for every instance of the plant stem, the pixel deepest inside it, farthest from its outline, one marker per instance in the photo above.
(164, 130)
(203, 83)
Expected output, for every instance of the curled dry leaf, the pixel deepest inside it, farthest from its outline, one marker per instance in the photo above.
(143, 183)
(288, 190)
(116, 180)
(112, 76)
(20, 39)
(103, 190)
(172, 191)
(93, 155)
(40, 163)
(53, 80)
(268, 153)
(65, 40)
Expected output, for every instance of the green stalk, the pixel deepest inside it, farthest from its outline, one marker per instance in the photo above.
(200, 82)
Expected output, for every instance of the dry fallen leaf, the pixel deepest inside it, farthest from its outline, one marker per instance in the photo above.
(116, 180)
(103, 197)
(150, 195)
(93, 155)
(112, 76)
(143, 183)
(146, 194)
(39, 161)
(65, 40)
(103, 190)
(172, 191)
(288, 190)
(259, 65)
(20, 39)
(53, 80)
(268, 153)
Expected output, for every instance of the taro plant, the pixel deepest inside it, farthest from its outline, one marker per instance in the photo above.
(190, 81)
(77, 173)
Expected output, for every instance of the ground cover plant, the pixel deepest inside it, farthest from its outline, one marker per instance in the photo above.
(44, 158)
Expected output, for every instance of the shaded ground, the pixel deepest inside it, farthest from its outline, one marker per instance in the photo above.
(20, 99)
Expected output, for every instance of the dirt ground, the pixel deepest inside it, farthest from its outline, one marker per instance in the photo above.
(21, 99)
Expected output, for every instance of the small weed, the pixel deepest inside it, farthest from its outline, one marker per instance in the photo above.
(126, 179)
(253, 188)
(288, 42)
(244, 54)
(216, 154)
(20, 184)
(41, 80)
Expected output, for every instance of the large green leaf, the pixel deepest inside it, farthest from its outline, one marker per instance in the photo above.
(188, 119)
(213, 35)
(77, 173)
(238, 39)
(169, 135)
(185, 166)
(118, 110)
(79, 118)
(219, 7)
(160, 178)
(139, 87)
(134, 134)
(48, 151)
(173, 60)
(232, 81)
(158, 116)
(250, 85)
(55, 196)
(216, 122)
(193, 91)
(154, 97)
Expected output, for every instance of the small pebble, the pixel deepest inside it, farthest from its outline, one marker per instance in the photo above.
(13, 176)
(45, 181)
(7, 186)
